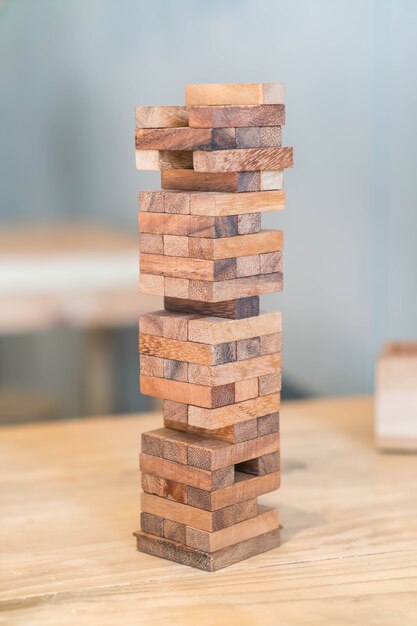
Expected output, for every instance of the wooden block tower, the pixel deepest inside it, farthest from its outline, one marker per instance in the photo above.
(212, 356)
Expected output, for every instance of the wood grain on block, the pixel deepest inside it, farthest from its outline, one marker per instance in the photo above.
(185, 138)
(239, 308)
(259, 137)
(175, 411)
(192, 352)
(267, 519)
(268, 424)
(244, 488)
(236, 204)
(164, 488)
(165, 324)
(270, 343)
(190, 225)
(151, 285)
(246, 389)
(248, 223)
(248, 266)
(245, 160)
(264, 464)
(175, 245)
(161, 117)
(215, 375)
(186, 474)
(151, 366)
(198, 395)
(151, 243)
(233, 414)
(214, 454)
(270, 262)
(207, 561)
(176, 287)
(269, 384)
(212, 330)
(236, 115)
(152, 201)
(148, 160)
(217, 94)
(245, 510)
(235, 288)
(248, 348)
(176, 202)
(174, 531)
(193, 269)
(239, 246)
(234, 434)
(185, 514)
(175, 370)
(232, 182)
(152, 524)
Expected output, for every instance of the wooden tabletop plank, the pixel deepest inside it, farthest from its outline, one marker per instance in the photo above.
(70, 495)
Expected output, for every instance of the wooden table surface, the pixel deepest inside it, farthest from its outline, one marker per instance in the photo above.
(70, 495)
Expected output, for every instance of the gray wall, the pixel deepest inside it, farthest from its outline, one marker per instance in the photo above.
(71, 73)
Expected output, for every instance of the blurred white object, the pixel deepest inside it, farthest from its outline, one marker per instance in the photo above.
(396, 397)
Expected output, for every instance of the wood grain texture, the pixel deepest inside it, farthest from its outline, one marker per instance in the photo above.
(271, 383)
(264, 464)
(165, 324)
(161, 116)
(163, 159)
(245, 160)
(163, 487)
(234, 434)
(212, 330)
(198, 395)
(151, 285)
(216, 203)
(238, 412)
(202, 117)
(184, 138)
(250, 93)
(239, 308)
(151, 243)
(259, 137)
(190, 225)
(236, 288)
(248, 223)
(267, 519)
(193, 269)
(186, 474)
(239, 246)
(192, 352)
(213, 454)
(189, 180)
(210, 562)
(215, 375)
(246, 389)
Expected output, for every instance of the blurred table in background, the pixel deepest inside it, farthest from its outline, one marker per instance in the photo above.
(68, 275)
(70, 494)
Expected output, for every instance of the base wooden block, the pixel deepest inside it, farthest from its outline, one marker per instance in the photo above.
(210, 562)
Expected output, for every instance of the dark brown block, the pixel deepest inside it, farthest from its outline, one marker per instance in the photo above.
(232, 309)
(265, 464)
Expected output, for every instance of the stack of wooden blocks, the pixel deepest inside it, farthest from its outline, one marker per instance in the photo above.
(211, 354)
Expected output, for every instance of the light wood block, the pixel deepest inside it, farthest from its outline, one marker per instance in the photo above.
(202, 117)
(198, 395)
(212, 330)
(238, 412)
(185, 138)
(239, 246)
(163, 159)
(215, 375)
(164, 488)
(192, 269)
(189, 180)
(161, 117)
(259, 137)
(233, 434)
(186, 474)
(246, 389)
(151, 243)
(189, 225)
(216, 94)
(246, 160)
(235, 288)
(192, 352)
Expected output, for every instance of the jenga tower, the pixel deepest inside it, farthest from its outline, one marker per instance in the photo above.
(212, 356)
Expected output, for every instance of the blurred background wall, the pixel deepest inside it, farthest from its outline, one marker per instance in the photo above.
(71, 73)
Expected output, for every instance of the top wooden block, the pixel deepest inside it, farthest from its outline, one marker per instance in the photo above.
(161, 117)
(256, 93)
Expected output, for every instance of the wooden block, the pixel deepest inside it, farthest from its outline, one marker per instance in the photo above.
(248, 223)
(248, 348)
(151, 366)
(185, 514)
(174, 245)
(176, 287)
(268, 424)
(216, 94)
(266, 520)
(244, 488)
(164, 488)
(151, 323)
(270, 384)
(246, 510)
(248, 266)
(151, 285)
(210, 562)
(246, 160)
(161, 117)
(152, 443)
(186, 474)
(259, 137)
(237, 246)
(189, 180)
(198, 395)
(236, 115)
(165, 324)
(185, 138)
(212, 330)
(175, 370)
(192, 352)
(190, 225)
(212, 203)
(152, 524)
(271, 343)
(151, 243)
(246, 389)
(192, 269)
(148, 160)
(152, 201)
(216, 375)
(264, 464)
(174, 531)
(175, 411)
(234, 434)
(239, 308)
(270, 262)
(238, 412)
(222, 290)
(175, 447)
